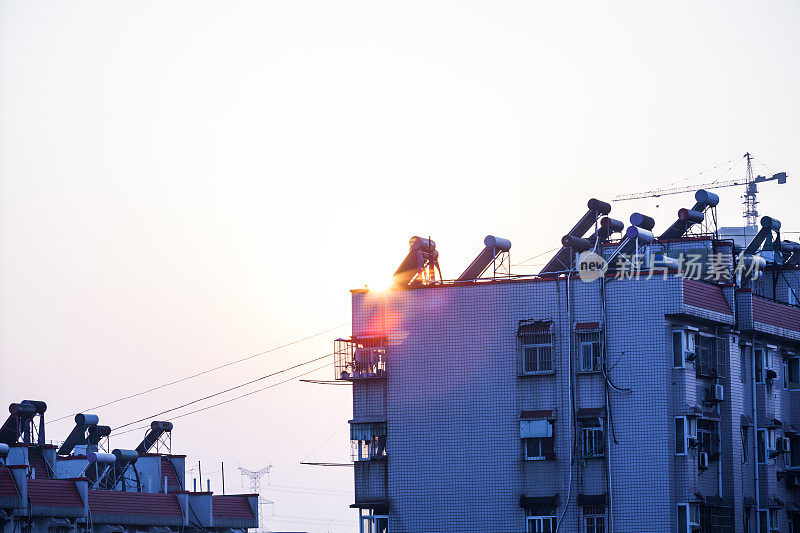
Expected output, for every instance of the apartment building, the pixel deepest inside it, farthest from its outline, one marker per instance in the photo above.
(656, 393)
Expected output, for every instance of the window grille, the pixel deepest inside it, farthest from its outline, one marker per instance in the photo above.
(589, 349)
(536, 347)
(359, 358)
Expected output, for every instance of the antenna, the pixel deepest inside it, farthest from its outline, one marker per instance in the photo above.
(255, 488)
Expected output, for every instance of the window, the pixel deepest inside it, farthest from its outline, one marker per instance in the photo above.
(763, 520)
(766, 445)
(762, 364)
(744, 357)
(540, 524)
(745, 445)
(683, 346)
(688, 517)
(537, 439)
(774, 521)
(589, 351)
(592, 431)
(368, 441)
(706, 362)
(685, 433)
(793, 457)
(374, 523)
(791, 373)
(680, 435)
(537, 352)
(594, 519)
(708, 437)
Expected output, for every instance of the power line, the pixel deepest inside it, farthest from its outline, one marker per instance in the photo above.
(181, 380)
(229, 400)
(150, 417)
(535, 256)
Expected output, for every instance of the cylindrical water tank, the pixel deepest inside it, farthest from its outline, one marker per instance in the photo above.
(102, 458)
(39, 406)
(642, 221)
(790, 247)
(771, 223)
(599, 206)
(21, 409)
(4, 448)
(613, 225)
(576, 243)
(690, 215)
(496, 242)
(420, 243)
(126, 456)
(164, 426)
(88, 420)
(664, 261)
(705, 197)
(642, 235)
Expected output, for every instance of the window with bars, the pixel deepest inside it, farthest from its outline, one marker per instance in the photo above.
(593, 443)
(708, 437)
(594, 519)
(589, 350)
(536, 348)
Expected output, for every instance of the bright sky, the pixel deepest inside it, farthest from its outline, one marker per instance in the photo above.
(186, 183)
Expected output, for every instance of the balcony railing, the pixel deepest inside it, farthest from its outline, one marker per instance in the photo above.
(360, 358)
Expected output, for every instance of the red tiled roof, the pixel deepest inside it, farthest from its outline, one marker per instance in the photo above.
(705, 296)
(8, 488)
(36, 460)
(776, 314)
(134, 503)
(54, 493)
(234, 506)
(168, 471)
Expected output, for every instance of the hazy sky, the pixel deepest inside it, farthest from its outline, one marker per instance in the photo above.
(186, 183)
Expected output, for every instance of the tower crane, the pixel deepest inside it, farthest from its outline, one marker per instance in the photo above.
(749, 199)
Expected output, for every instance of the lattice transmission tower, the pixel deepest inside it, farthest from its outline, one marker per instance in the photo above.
(255, 488)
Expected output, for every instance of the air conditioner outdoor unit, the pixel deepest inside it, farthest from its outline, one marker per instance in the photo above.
(702, 462)
(719, 393)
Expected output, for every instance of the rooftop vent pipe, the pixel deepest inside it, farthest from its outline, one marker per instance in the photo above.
(562, 259)
(493, 247)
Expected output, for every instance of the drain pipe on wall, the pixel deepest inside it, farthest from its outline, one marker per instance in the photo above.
(755, 432)
(610, 514)
(571, 403)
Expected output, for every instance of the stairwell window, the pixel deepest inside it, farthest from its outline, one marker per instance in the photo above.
(536, 347)
(592, 437)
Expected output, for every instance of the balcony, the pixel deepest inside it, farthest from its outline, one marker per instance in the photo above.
(360, 358)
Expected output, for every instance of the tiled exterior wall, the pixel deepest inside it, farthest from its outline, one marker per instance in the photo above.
(452, 398)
